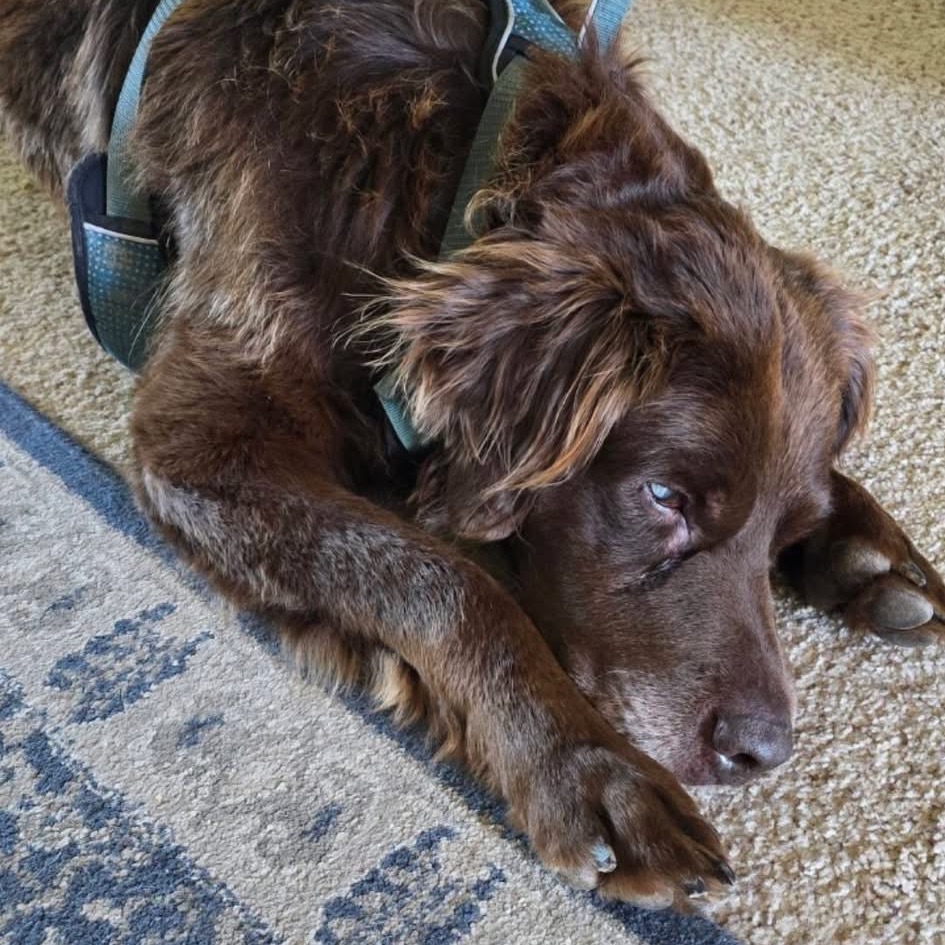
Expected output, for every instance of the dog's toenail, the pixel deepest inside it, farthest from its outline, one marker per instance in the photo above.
(694, 888)
(725, 873)
(913, 573)
(604, 858)
(898, 609)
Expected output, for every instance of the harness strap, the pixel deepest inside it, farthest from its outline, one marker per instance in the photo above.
(122, 260)
(606, 17)
(482, 156)
(479, 167)
(121, 198)
(538, 24)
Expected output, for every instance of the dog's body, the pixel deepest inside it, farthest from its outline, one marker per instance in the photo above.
(628, 392)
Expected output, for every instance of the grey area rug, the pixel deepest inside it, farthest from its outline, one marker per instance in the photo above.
(165, 777)
(254, 801)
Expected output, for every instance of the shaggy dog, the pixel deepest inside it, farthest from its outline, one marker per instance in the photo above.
(631, 400)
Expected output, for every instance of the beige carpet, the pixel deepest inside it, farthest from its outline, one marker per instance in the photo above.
(828, 121)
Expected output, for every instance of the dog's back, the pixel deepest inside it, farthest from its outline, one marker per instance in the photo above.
(364, 171)
(61, 67)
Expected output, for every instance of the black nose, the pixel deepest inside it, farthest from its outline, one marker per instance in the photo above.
(749, 745)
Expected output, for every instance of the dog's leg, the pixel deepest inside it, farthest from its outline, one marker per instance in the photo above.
(862, 563)
(240, 469)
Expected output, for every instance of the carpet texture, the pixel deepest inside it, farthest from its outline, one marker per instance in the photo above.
(163, 773)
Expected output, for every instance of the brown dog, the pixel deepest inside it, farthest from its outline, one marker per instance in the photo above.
(630, 395)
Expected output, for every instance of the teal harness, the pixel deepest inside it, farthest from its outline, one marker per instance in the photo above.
(120, 257)
(516, 26)
(121, 260)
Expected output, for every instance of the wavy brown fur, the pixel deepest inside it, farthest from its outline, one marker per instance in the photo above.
(614, 330)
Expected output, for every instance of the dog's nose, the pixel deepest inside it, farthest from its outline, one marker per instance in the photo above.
(749, 745)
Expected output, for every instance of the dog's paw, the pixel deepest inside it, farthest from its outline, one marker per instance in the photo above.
(862, 564)
(620, 823)
(898, 597)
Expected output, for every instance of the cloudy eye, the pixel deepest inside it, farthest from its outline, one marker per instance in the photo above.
(664, 495)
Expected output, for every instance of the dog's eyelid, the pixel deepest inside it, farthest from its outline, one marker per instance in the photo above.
(667, 496)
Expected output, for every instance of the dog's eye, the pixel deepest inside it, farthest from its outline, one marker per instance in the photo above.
(665, 496)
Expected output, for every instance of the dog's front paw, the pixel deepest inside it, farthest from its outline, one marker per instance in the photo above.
(863, 564)
(620, 823)
(897, 596)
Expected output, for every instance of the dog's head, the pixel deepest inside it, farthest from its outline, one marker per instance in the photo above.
(628, 383)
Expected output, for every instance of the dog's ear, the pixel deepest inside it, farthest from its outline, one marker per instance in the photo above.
(517, 356)
(850, 340)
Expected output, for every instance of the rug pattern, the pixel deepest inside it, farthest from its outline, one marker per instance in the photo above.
(136, 808)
